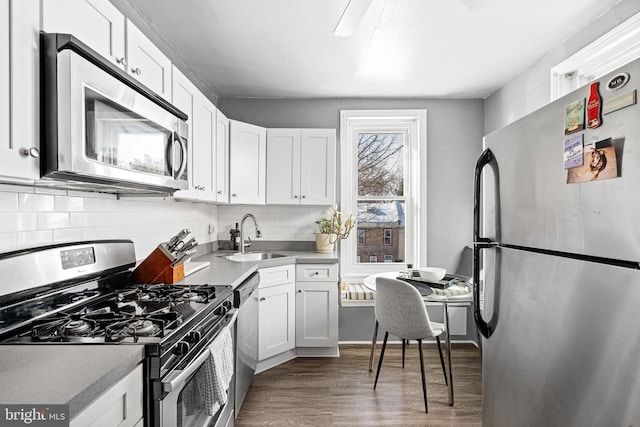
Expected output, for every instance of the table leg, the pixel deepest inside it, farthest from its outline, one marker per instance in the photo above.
(446, 323)
(374, 341)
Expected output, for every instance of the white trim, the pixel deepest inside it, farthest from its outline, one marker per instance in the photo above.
(609, 52)
(414, 123)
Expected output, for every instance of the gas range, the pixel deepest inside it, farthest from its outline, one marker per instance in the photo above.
(137, 313)
(83, 293)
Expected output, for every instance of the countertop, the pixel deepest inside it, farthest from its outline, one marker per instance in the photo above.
(63, 373)
(77, 374)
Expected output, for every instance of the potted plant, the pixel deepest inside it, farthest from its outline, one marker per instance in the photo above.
(331, 229)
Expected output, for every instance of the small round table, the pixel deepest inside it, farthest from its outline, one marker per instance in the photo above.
(370, 282)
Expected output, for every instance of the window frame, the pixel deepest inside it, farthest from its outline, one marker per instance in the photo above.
(364, 236)
(414, 124)
(384, 237)
(373, 259)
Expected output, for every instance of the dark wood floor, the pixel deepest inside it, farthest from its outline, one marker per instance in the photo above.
(339, 391)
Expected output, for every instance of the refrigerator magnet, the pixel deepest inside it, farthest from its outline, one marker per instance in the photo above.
(599, 163)
(573, 152)
(574, 117)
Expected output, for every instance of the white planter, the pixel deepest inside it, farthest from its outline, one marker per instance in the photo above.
(326, 243)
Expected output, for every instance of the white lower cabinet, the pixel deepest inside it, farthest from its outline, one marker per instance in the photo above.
(276, 311)
(120, 406)
(317, 305)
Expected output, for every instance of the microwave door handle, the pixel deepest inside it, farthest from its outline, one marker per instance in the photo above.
(183, 152)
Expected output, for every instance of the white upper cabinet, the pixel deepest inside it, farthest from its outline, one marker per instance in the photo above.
(19, 90)
(185, 98)
(222, 158)
(205, 141)
(147, 63)
(202, 138)
(301, 166)
(247, 163)
(97, 23)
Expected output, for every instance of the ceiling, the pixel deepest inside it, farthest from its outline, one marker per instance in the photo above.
(401, 48)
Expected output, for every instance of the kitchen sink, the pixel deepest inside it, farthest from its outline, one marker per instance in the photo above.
(253, 256)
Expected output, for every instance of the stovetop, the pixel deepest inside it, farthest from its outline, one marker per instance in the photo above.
(91, 313)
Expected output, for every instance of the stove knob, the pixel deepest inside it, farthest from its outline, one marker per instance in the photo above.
(194, 336)
(182, 348)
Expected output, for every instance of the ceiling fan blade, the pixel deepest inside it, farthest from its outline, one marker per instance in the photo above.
(351, 17)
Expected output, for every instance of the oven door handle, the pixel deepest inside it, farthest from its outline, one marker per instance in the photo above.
(176, 378)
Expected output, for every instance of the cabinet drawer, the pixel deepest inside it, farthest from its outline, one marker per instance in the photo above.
(317, 272)
(272, 276)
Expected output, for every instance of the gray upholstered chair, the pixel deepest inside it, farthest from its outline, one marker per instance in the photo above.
(400, 311)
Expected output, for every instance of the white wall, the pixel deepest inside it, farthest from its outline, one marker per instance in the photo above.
(531, 89)
(32, 217)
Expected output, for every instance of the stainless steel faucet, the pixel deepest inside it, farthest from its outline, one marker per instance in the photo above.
(258, 232)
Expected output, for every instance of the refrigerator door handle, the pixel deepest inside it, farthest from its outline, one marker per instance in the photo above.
(480, 243)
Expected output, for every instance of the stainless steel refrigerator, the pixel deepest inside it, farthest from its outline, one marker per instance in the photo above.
(557, 258)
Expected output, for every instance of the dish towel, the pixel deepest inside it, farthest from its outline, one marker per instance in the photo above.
(217, 372)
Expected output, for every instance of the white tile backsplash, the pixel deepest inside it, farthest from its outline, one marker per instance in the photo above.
(30, 217)
(290, 223)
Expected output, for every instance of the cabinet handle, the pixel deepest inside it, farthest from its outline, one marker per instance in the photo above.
(304, 197)
(219, 192)
(136, 71)
(33, 152)
(299, 291)
(234, 195)
(122, 61)
(262, 299)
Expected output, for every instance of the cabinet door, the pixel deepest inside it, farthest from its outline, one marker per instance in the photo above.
(247, 163)
(283, 166)
(20, 85)
(318, 166)
(222, 158)
(96, 23)
(185, 96)
(205, 136)
(316, 314)
(121, 405)
(5, 72)
(276, 320)
(147, 63)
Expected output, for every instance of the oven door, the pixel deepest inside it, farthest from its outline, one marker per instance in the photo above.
(185, 404)
(99, 129)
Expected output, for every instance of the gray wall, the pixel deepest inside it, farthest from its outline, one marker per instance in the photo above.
(454, 140)
(531, 89)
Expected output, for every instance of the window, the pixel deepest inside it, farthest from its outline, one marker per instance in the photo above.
(361, 237)
(387, 236)
(383, 182)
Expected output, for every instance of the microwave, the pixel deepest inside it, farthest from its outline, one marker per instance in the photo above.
(101, 130)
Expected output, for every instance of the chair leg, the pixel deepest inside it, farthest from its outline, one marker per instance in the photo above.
(424, 381)
(374, 340)
(404, 342)
(444, 370)
(384, 345)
